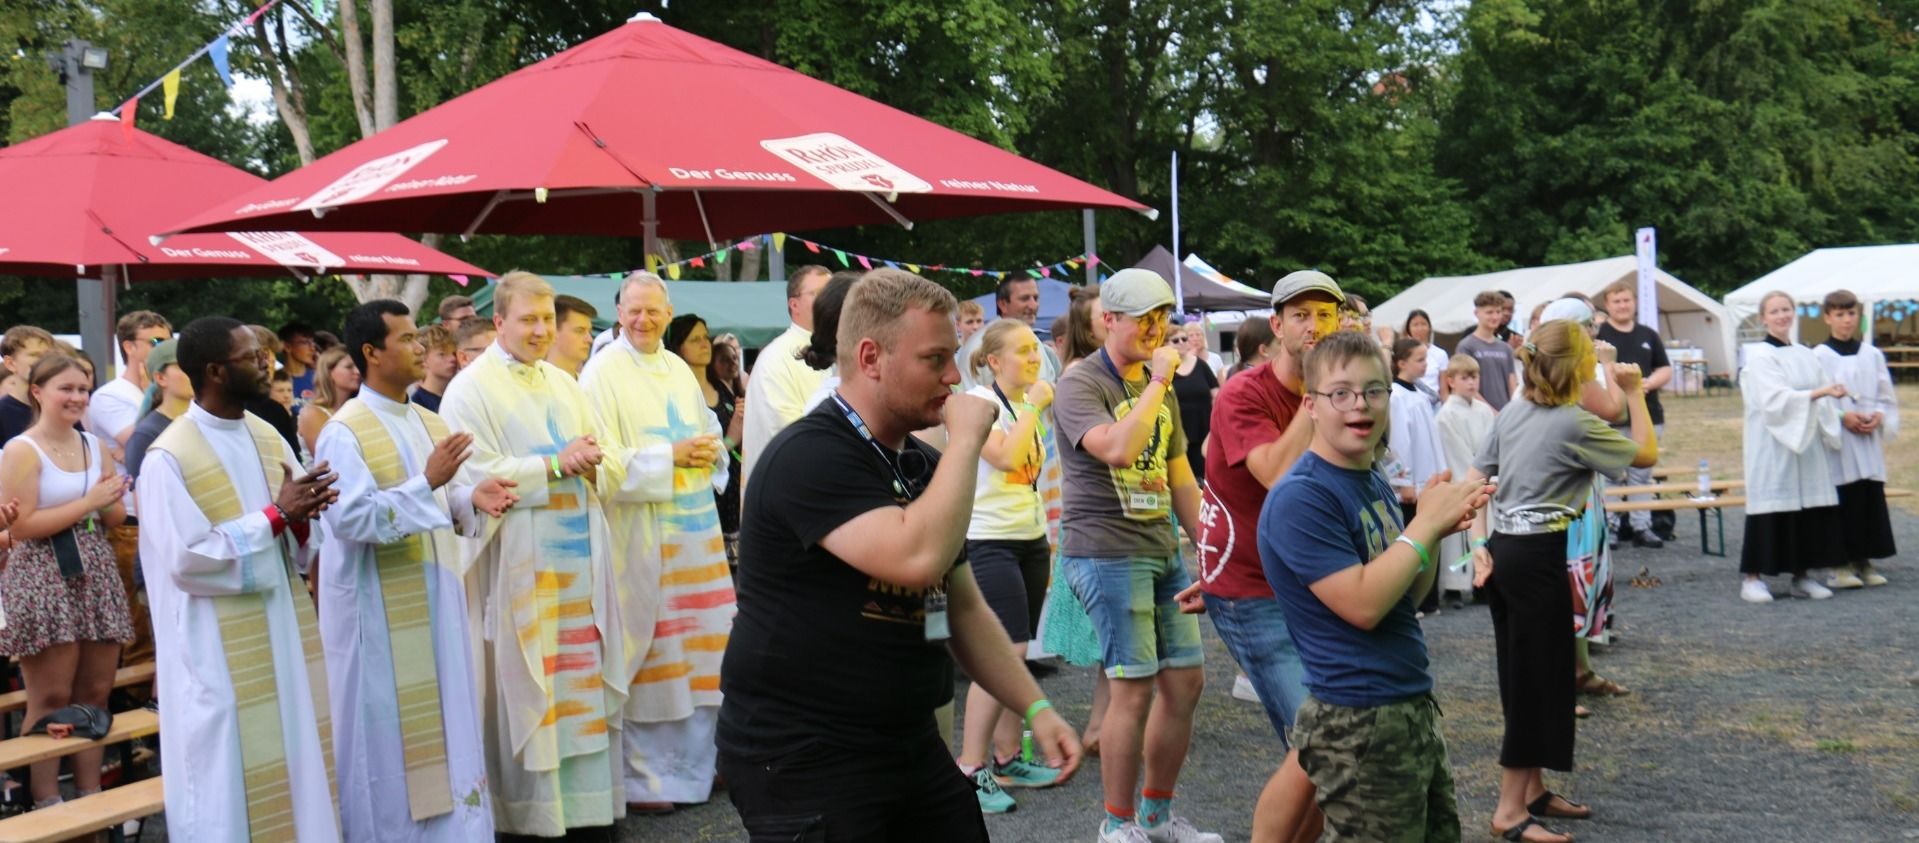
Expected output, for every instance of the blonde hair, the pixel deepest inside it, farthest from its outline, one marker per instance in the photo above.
(1462, 364)
(994, 341)
(1557, 359)
(1775, 294)
(518, 284)
(970, 308)
(324, 392)
(880, 298)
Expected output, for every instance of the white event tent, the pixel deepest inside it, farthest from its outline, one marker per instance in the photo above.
(1686, 315)
(1885, 278)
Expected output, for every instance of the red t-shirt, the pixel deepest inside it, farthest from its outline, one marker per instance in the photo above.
(1253, 409)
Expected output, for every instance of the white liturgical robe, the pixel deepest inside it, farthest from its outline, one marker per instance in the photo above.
(1788, 433)
(189, 562)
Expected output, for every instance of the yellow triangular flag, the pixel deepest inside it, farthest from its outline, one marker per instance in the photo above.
(913, 268)
(673, 271)
(779, 241)
(170, 84)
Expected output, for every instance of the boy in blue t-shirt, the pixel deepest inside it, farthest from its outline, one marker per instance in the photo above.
(1341, 564)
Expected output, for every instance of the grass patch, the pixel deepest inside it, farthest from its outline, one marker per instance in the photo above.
(1839, 746)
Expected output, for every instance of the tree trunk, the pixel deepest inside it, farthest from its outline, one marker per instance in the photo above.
(410, 290)
(356, 65)
(292, 109)
(749, 265)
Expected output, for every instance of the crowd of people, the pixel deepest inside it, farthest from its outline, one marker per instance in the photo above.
(502, 576)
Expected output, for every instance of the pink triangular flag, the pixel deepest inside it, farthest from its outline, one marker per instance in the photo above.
(864, 262)
(459, 279)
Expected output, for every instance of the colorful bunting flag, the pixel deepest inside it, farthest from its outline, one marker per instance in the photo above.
(890, 264)
(913, 268)
(864, 262)
(1092, 260)
(697, 263)
(127, 110)
(842, 256)
(459, 279)
(217, 51)
(1046, 272)
(811, 246)
(749, 245)
(719, 257)
(779, 241)
(673, 271)
(170, 87)
(977, 273)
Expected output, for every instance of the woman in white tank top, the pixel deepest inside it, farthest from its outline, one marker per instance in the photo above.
(66, 608)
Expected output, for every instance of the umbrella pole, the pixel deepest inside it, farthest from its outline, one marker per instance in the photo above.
(1086, 229)
(650, 225)
(97, 304)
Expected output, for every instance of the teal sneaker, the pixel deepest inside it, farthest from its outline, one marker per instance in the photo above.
(992, 800)
(1021, 773)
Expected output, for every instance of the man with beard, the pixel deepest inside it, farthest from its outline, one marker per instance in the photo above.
(853, 590)
(1258, 433)
(238, 653)
(407, 740)
(1015, 298)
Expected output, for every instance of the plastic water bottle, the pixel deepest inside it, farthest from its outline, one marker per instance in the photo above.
(1705, 481)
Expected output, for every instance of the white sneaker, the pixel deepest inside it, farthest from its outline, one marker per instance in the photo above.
(1844, 578)
(1243, 689)
(1126, 833)
(1872, 578)
(1179, 830)
(1805, 588)
(1755, 591)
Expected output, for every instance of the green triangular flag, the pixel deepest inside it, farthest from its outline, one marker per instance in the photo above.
(720, 256)
(842, 256)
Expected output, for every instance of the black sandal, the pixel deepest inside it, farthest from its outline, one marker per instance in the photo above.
(1543, 807)
(1518, 832)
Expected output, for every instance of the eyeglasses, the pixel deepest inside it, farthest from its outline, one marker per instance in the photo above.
(257, 356)
(1153, 317)
(1178, 339)
(1343, 399)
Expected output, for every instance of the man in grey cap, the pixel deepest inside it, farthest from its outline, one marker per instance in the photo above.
(1257, 435)
(1124, 457)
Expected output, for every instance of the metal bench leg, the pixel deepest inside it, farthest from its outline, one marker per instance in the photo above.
(1706, 539)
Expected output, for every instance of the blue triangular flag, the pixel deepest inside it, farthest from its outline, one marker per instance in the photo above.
(218, 52)
(891, 264)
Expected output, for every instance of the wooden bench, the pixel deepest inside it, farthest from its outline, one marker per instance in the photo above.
(1717, 486)
(127, 725)
(130, 675)
(102, 811)
(1716, 506)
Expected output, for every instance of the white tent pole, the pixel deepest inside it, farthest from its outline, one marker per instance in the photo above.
(1179, 294)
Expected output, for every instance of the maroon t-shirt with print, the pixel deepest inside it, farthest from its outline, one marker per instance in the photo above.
(1253, 409)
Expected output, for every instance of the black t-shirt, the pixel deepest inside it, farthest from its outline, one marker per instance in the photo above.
(1195, 393)
(15, 418)
(821, 653)
(1643, 346)
(272, 413)
(429, 400)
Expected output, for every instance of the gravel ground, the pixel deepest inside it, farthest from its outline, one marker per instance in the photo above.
(1786, 722)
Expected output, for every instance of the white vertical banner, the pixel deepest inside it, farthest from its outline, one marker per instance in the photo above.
(1179, 292)
(1647, 246)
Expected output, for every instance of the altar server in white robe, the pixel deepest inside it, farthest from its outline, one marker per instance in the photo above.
(1870, 415)
(407, 735)
(240, 671)
(665, 522)
(1792, 510)
(776, 393)
(554, 663)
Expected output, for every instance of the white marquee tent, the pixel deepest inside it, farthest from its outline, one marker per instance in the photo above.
(1686, 315)
(1885, 278)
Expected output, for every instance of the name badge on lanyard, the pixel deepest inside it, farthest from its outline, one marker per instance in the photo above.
(937, 628)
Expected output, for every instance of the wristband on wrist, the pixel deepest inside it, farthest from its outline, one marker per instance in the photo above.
(1161, 380)
(1478, 543)
(1039, 705)
(276, 518)
(554, 461)
(1425, 556)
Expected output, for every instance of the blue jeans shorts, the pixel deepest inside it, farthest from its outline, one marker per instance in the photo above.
(1254, 631)
(1138, 623)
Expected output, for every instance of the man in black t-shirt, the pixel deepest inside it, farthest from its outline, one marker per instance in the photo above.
(850, 578)
(1640, 345)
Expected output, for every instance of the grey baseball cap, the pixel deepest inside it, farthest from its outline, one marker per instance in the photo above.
(1305, 281)
(1135, 292)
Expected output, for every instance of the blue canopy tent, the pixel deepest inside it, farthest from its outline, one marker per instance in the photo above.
(1054, 298)
(753, 310)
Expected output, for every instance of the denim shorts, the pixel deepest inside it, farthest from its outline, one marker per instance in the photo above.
(1138, 623)
(1254, 631)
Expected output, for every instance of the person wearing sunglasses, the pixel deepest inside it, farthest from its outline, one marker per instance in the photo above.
(1123, 449)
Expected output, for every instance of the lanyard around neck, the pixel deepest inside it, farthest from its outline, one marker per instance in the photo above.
(1039, 445)
(900, 486)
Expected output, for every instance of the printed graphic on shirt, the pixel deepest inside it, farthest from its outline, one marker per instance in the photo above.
(1143, 491)
(1381, 525)
(894, 604)
(1217, 533)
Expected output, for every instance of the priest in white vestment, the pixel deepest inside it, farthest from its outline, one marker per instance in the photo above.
(667, 529)
(240, 673)
(780, 384)
(554, 665)
(393, 601)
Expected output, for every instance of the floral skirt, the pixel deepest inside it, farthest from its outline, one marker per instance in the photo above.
(44, 609)
(1589, 567)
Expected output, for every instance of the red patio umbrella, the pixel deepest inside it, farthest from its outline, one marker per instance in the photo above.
(83, 201)
(647, 124)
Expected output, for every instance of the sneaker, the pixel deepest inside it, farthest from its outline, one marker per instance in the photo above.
(1243, 689)
(1021, 773)
(1872, 578)
(1180, 830)
(1755, 591)
(1843, 578)
(1647, 540)
(1125, 833)
(1804, 588)
(992, 800)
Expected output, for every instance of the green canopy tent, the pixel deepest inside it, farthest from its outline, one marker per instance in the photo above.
(753, 310)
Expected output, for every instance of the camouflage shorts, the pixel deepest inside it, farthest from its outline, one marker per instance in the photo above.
(1381, 773)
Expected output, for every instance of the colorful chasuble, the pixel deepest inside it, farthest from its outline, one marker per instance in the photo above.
(247, 640)
(409, 621)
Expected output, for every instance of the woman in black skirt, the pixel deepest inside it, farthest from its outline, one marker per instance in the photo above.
(1544, 449)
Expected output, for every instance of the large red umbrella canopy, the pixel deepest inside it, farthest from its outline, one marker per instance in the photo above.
(723, 143)
(89, 196)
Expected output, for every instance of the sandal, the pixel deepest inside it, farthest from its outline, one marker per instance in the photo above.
(1593, 685)
(1518, 832)
(1544, 807)
(1582, 712)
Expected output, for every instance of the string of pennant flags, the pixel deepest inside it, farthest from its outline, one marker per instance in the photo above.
(847, 259)
(215, 51)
